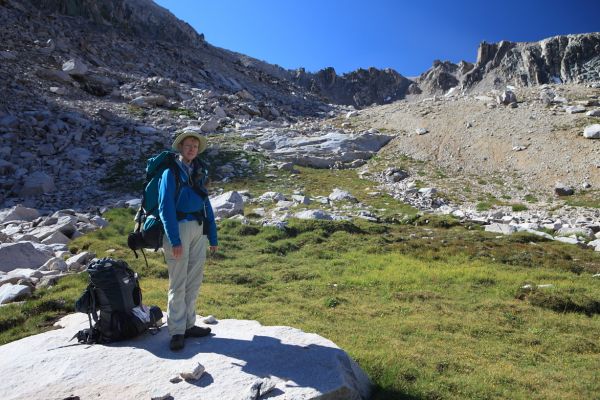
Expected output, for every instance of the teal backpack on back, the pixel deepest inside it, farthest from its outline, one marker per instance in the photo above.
(148, 232)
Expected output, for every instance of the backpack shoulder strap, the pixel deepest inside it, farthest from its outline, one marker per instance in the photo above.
(177, 174)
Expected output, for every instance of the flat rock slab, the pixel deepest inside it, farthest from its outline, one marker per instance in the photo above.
(237, 354)
(325, 150)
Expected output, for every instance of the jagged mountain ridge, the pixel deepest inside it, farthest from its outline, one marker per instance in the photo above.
(360, 88)
(559, 59)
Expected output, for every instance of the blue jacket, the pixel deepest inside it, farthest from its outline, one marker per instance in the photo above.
(188, 201)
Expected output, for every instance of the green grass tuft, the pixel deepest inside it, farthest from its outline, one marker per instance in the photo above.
(483, 206)
(519, 207)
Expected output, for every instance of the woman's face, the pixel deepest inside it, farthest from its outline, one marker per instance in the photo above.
(189, 149)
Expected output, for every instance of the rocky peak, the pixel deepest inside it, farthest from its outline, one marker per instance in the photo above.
(143, 18)
(359, 88)
(443, 76)
(559, 59)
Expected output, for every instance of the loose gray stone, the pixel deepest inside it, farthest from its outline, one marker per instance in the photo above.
(78, 261)
(271, 196)
(209, 320)
(574, 109)
(259, 388)
(66, 228)
(592, 131)
(194, 373)
(10, 292)
(568, 240)
(575, 231)
(227, 204)
(55, 264)
(507, 97)
(563, 190)
(75, 67)
(340, 195)
(99, 221)
(210, 126)
(595, 244)
(56, 237)
(313, 214)
(21, 255)
(395, 174)
(427, 192)
(219, 112)
(301, 199)
(149, 101)
(288, 166)
(161, 395)
(593, 113)
(25, 273)
(18, 213)
(504, 229)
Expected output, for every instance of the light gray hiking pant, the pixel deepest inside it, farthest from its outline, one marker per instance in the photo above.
(185, 276)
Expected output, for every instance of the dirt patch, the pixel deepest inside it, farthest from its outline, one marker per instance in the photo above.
(470, 138)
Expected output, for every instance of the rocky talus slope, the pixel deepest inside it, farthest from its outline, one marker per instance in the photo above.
(533, 143)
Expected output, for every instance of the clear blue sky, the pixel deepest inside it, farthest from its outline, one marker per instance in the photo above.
(351, 34)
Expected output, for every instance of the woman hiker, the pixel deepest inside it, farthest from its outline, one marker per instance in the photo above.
(188, 219)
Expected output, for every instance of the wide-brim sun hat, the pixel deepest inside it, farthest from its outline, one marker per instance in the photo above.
(182, 136)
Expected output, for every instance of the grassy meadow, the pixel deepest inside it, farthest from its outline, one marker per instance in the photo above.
(430, 309)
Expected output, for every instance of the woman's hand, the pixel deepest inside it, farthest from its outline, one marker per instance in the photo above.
(212, 250)
(177, 252)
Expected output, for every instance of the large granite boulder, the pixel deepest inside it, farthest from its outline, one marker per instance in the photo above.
(236, 356)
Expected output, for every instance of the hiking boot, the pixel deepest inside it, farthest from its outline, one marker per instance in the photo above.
(177, 342)
(197, 331)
